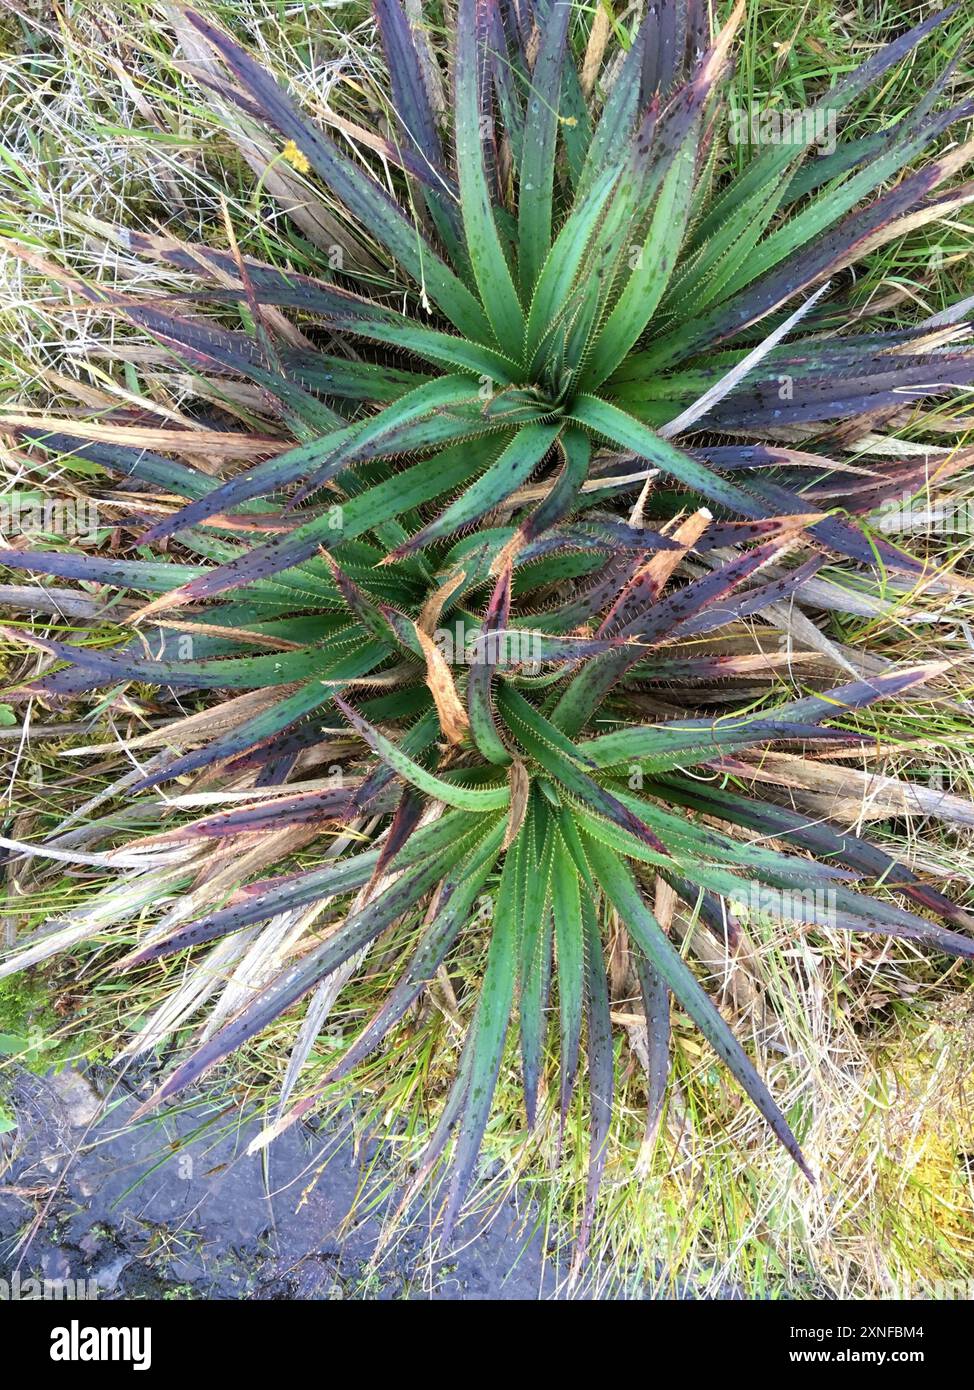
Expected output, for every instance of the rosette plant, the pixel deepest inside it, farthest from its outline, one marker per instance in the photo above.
(442, 588)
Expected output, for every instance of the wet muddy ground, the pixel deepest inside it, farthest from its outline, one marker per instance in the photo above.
(177, 1210)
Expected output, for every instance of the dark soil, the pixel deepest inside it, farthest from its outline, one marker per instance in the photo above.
(176, 1209)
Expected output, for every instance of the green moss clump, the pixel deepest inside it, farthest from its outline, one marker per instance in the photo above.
(30, 1030)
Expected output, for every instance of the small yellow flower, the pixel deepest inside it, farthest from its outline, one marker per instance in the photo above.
(296, 157)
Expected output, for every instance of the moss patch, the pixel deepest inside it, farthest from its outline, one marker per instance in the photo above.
(30, 1030)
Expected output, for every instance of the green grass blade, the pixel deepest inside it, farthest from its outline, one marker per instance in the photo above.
(539, 147)
(619, 887)
(487, 258)
(463, 798)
